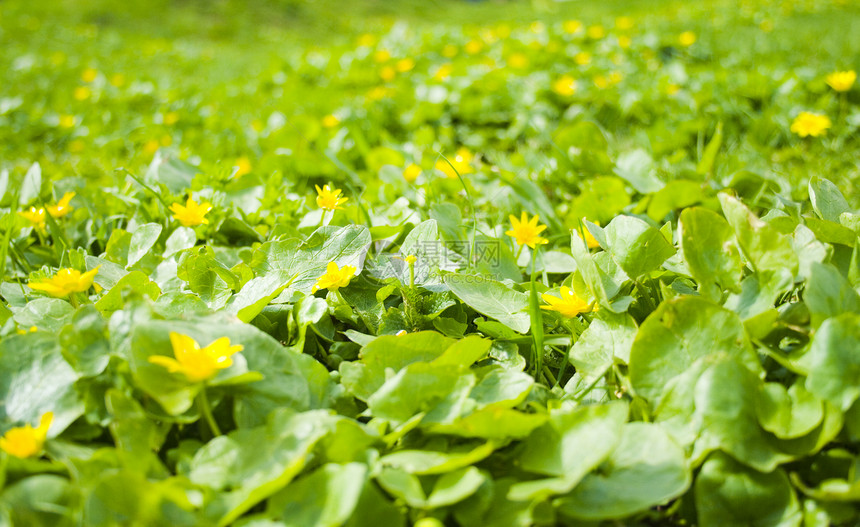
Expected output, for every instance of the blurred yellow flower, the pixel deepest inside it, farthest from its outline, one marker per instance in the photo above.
(404, 65)
(841, 80)
(526, 231)
(170, 118)
(474, 46)
(381, 56)
(32, 329)
(537, 27)
(330, 121)
(590, 241)
(810, 124)
(596, 32)
(571, 26)
(82, 93)
(35, 216)
(624, 41)
(334, 277)
(378, 93)
(450, 50)
(672, 89)
(687, 38)
(462, 162)
(192, 214)
(89, 74)
(411, 173)
(329, 199)
(26, 441)
(564, 86)
(117, 80)
(366, 40)
(443, 72)
(166, 140)
(411, 259)
(582, 58)
(243, 166)
(67, 121)
(568, 305)
(196, 363)
(76, 146)
(66, 282)
(62, 207)
(624, 23)
(518, 60)
(151, 146)
(387, 73)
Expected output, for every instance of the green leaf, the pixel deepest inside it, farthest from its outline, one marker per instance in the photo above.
(706, 163)
(728, 493)
(829, 294)
(142, 240)
(833, 362)
(136, 282)
(609, 338)
(180, 239)
(710, 252)
(647, 468)
(438, 462)
(637, 247)
(326, 497)
(765, 247)
(31, 186)
(826, 199)
(493, 299)
(788, 413)
(637, 168)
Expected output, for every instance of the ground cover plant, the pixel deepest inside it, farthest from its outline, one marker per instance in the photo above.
(501, 264)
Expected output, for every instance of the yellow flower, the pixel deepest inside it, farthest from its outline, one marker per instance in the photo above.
(32, 329)
(387, 73)
(564, 86)
(582, 58)
(401, 333)
(443, 72)
(151, 146)
(596, 32)
(66, 282)
(462, 164)
(518, 60)
(687, 38)
(191, 214)
(329, 198)
(243, 166)
(808, 123)
(601, 82)
(117, 80)
(474, 46)
(89, 75)
(841, 80)
(411, 259)
(590, 241)
(381, 56)
(568, 305)
(334, 278)
(26, 441)
(34, 216)
(449, 51)
(366, 40)
(404, 65)
(62, 207)
(624, 23)
(672, 89)
(82, 93)
(624, 41)
(196, 363)
(330, 121)
(571, 26)
(67, 121)
(411, 173)
(525, 231)
(170, 118)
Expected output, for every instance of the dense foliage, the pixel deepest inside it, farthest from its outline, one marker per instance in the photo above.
(554, 270)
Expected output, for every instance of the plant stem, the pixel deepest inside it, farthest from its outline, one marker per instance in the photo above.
(322, 219)
(206, 410)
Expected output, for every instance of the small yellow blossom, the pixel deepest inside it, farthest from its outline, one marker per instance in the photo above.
(67, 121)
(330, 121)
(590, 241)
(82, 93)
(366, 40)
(26, 441)
(151, 146)
(165, 140)
(334, 277)
(32, 329)
(118, 80)
(401, 333)
(387, 73)
(89, 75)
(525, 231)
(329, 198)
(687, 38)
(443, 72)
(672, 89)
(34, 216)
(841, 80)
(596, 32)
(582, 58)
(196, 363)
(624, 23)
(242, 166)
(564, 86)
(571, 26)
(62, 207)
(810, 124)
(518, 61)
(381, 56)
(170, 118)
(449, 51)
(474, 46)
(462, 164)
(411, 173)
(192, 214)
(537, 27)
(624, 42)
(404, 65)
(568, 305)
(410, 259)
(66, 282)
(378, 93)
(601, 82)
